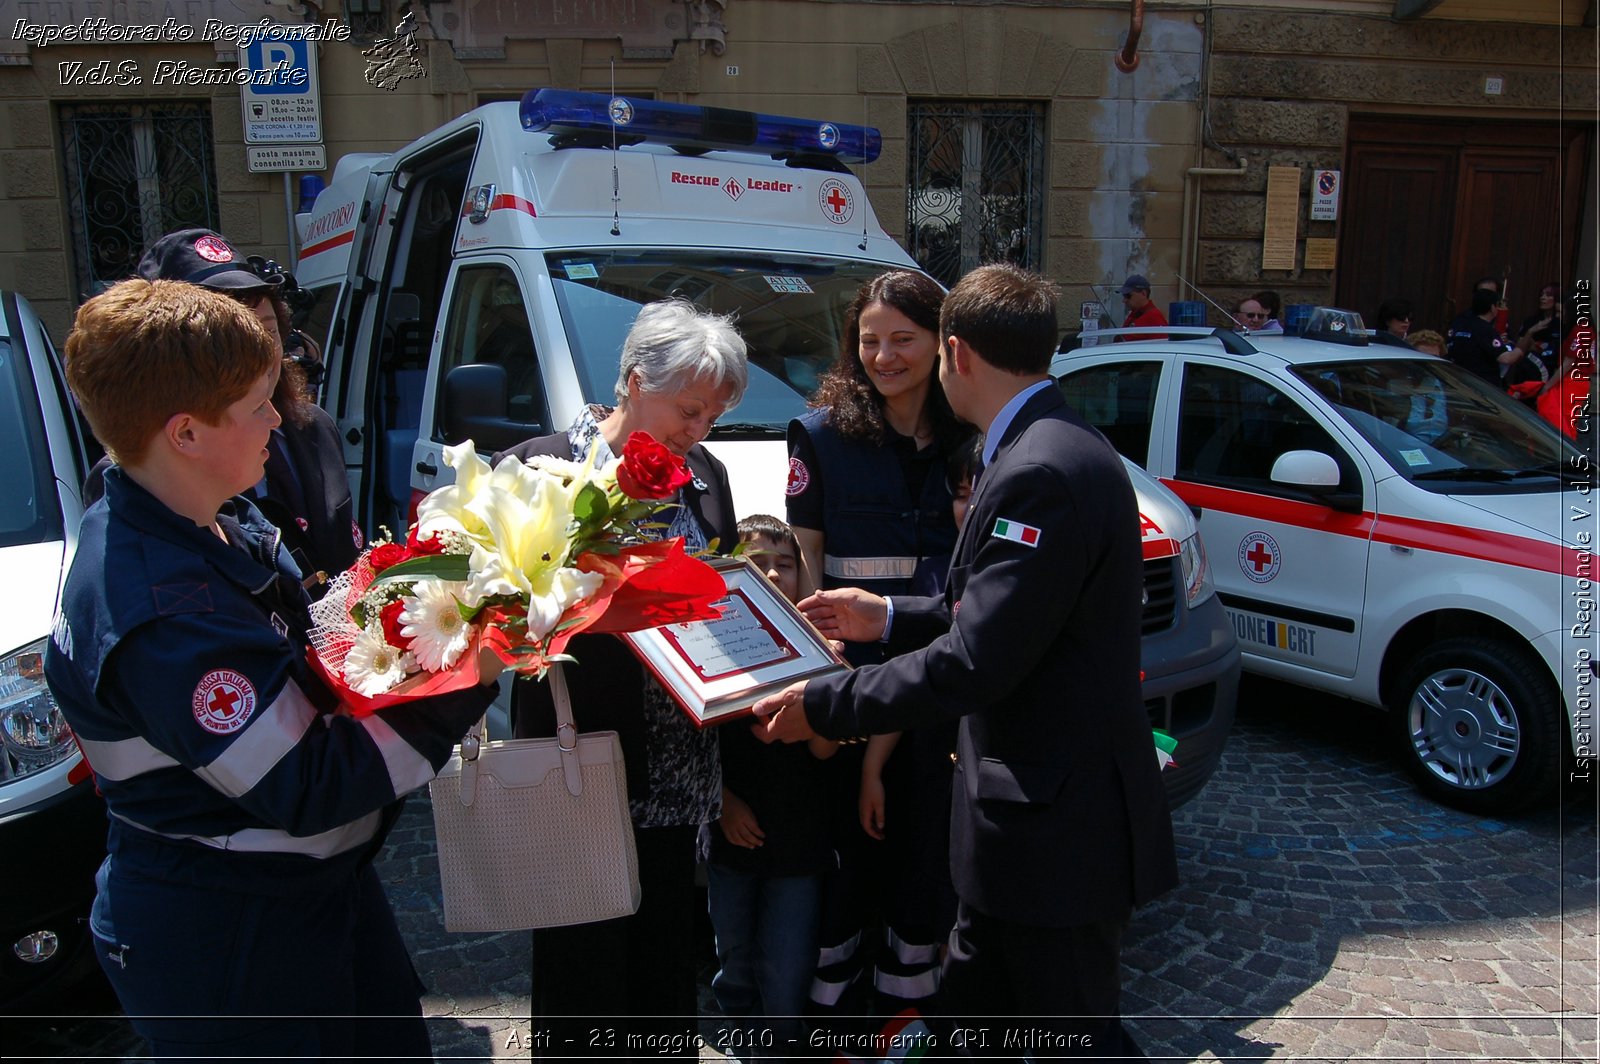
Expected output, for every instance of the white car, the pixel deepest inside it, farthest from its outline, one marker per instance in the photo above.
(52, 823)
(1381, 525)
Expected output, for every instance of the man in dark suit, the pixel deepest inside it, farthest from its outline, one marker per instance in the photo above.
(1059, 823)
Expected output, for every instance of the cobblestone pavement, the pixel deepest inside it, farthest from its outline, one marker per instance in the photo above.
(1327, 912)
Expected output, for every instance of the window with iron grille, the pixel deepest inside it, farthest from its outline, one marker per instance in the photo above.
(134, 172)
(975, 187)
(365, 18)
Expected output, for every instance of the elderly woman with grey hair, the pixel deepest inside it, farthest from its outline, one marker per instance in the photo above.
(681, 369)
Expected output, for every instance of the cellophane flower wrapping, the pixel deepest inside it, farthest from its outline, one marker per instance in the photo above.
(515, 560)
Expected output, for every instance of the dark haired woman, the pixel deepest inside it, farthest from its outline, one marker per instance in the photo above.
(870, 507)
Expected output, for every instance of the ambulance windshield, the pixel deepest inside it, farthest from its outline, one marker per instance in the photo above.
(29, 510)
(1442, 427)
(788, 308)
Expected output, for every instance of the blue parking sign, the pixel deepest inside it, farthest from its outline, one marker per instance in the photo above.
(281, 98)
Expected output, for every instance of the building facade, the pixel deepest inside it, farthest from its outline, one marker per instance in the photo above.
(1461, 134)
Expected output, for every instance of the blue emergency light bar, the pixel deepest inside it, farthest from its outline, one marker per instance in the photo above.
(591, 117)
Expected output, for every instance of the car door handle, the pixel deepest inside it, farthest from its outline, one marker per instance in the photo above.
(427, 468)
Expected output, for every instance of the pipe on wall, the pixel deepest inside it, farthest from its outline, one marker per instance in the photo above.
(1128, 59)
(1191, 209)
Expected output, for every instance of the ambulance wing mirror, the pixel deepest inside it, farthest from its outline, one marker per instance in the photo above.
(475, 405)
(1316, 474)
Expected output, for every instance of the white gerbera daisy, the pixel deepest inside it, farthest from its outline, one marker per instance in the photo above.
(372, 666)
(432, 621)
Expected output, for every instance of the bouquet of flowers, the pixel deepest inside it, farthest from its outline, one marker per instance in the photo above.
(515, 560)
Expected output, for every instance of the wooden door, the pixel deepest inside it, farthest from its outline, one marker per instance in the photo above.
(1430, 206)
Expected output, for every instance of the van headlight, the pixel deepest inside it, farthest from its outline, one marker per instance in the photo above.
(33, 733)
(1197, 585)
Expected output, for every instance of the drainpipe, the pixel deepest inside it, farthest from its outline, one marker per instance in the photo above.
(1128, 59)
(1191, 208)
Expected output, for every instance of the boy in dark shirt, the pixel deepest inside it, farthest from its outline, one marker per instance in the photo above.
(768, 853)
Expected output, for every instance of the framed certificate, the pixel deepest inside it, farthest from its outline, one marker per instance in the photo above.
(760, 645)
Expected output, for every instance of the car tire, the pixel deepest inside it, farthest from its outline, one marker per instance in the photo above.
(1481, 723)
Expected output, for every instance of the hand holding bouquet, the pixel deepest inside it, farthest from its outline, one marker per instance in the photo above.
(515, 560)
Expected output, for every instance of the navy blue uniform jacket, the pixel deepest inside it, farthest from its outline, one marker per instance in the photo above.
(1058, 816)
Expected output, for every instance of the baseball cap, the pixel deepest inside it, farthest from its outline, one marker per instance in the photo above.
(1135, 283)
(202, 257)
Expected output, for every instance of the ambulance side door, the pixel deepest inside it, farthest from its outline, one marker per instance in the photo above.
(1290, 564)
(486, 380)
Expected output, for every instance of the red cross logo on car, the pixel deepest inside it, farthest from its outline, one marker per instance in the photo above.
(838, 205)
(1259, 557)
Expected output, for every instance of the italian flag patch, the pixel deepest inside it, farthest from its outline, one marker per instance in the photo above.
(1016, 532)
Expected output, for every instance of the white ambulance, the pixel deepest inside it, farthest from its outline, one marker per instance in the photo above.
(1383, 525)
(479, 282)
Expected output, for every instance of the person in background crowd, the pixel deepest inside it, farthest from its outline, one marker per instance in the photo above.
(1426, 341)
(1273, 305)
(1534, 360)
(680, 370)
(1250, 314)
(1472, 343)
(1059, 823)
(305, 491)
(769, 850)
(1565, 401)
(237, 913)
(870, 506)
(1394, 321)
(1141, 311)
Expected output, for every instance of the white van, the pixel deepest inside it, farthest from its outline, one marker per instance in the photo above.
(479, 282)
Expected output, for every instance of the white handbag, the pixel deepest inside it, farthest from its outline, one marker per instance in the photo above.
(535, 832)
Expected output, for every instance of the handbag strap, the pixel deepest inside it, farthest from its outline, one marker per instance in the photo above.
(472, 744)
(566, 730)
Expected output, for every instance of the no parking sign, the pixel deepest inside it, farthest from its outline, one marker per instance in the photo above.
(1325, 196)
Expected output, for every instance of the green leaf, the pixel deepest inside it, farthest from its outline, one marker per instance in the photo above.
(591, 504)
(604, 547)
(442, 566)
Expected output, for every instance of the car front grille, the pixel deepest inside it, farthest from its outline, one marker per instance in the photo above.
(1160, 595)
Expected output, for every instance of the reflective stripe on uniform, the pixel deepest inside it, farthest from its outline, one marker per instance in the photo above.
(884, 568)
(912, 953)
(827, 992)
(124, 758)
(838, 954)
(273, 840)
(408, 769)
(266, 740)
(923, 984)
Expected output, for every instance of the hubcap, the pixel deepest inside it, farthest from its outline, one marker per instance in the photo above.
(1463, 728)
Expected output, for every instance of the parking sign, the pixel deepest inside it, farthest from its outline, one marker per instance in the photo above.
(282, 105)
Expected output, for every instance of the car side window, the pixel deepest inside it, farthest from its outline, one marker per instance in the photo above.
(1232, 427)
(1119, 399)
(487, 325)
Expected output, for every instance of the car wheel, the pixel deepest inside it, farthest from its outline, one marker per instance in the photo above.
(1481, 720)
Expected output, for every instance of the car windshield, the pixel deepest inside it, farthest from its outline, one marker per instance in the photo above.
(1440, 425)
(29, 510)
(788, 308)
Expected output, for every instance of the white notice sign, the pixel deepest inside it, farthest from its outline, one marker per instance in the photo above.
(1325, 196)
(287, 157)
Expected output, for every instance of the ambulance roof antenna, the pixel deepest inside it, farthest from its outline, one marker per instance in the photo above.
(863, 245)
(1222, 310)
(616, 183)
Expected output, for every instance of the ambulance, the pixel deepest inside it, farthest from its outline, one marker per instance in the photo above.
(478, 284)
(1384, 526)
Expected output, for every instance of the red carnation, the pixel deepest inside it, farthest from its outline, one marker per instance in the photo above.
(386, 554)
(389, 616)
(649, 470)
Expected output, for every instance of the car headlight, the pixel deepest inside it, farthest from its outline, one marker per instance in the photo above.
(1197, 585)
(33, 733)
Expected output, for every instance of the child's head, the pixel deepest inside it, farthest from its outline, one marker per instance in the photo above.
(959, 470)
(774, 551)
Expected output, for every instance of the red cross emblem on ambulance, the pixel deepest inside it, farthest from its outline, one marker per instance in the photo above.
(1259, 557)
(838, 205)
(223, 701)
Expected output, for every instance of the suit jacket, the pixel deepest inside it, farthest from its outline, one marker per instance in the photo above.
(607, 684)
(1058, 815)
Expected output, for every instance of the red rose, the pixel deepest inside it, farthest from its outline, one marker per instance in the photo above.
(386, 554)
(649, 470)
(431, 545)
(390, 618)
